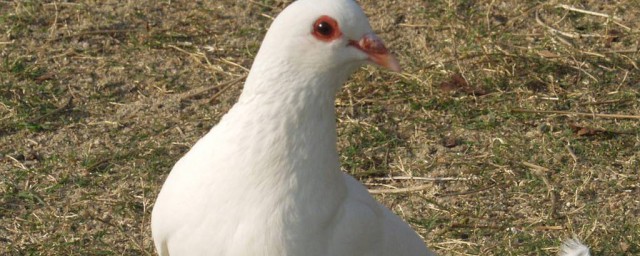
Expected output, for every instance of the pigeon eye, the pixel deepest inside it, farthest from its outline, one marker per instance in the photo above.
(326, 29)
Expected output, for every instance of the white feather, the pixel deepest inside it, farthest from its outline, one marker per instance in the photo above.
(573, 247)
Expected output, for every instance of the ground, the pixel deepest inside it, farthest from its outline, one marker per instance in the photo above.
(499, 114)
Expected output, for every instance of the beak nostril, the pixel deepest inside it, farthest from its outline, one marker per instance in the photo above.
(378, 53)
(373, 44)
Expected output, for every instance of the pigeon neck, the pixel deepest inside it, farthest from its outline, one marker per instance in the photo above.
(284, 144)
(289, 118)
(274, 77)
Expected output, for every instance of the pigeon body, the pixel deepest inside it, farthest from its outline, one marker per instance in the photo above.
(266, 179)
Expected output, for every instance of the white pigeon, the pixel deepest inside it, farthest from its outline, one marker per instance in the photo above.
(266, 179)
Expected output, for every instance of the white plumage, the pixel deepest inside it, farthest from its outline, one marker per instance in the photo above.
(266, 179)
(573, 247)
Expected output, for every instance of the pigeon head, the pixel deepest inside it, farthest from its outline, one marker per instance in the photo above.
(326, 37)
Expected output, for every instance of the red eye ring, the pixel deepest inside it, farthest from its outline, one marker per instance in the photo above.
(326, 29)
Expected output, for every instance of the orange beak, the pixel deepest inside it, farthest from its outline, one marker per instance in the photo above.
(373, 46)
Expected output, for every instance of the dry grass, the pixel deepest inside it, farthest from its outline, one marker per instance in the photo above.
(99, 99)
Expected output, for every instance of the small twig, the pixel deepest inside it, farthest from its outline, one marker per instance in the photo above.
(399, 190)
(197, 91)
(196, 57)
(143, 222)
(233, 64)
(422, 178)
(52, 28)
(566, 34)
(368, 173)
(593, 115)
(614, 19)
(63, 3)
(542, 173)
(17, 162)
(571, 153)
(535, 166)
(624, 79)
(469, 192)
(629, 50)
(261, 4)
(226, 87)
(605, 102)
(267, 16)
(179, 49)
(571, 8)
(553, 30)
(543, 228)
(476, 227)
(408, 25)
(589, 131)
(586, 73)
(201, 90)
(97, 32)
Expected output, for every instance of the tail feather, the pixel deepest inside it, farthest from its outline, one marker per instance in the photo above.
(573, 247)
